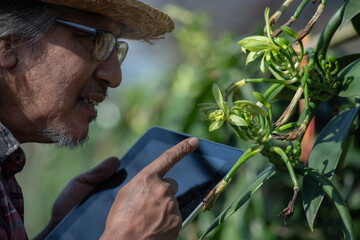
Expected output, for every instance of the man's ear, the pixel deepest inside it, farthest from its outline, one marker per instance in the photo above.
(8, 54)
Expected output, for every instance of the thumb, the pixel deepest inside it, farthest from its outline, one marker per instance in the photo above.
(100, 173)
(81, 186)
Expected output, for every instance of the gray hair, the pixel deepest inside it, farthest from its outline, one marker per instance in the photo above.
(25, 20)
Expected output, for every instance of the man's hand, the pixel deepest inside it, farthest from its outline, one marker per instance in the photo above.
(77, 190)
(146, 207)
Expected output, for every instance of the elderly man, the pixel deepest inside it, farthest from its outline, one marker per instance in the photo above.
(57, 60)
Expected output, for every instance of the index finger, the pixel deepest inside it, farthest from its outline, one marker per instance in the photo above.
(169, 158)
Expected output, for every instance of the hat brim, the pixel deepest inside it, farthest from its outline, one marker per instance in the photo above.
(140, 20)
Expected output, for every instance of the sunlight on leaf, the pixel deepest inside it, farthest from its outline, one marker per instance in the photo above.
(330, 144)
(351, 10)
(350, 78)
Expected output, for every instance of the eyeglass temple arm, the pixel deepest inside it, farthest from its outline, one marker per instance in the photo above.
(86, 29)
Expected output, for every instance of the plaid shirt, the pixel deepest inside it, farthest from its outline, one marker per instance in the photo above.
(12, 160)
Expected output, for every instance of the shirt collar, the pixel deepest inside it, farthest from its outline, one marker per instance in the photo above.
(8, 143)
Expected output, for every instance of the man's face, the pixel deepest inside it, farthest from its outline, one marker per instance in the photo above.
(54, 89)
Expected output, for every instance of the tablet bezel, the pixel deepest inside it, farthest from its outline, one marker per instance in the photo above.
(206, 148)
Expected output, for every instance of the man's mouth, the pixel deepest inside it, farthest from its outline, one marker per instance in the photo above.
(90, 101)
(91, 97)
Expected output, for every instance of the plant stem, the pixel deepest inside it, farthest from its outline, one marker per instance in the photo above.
(300, 9)
(293, 18)
(264, 80)
(312, 21)
(287, 126)
(307, 110)
(289, 210)
(271, 90)
(246, 155)
(329, 31)
(289, 166)
(278, 13)
(290, 109)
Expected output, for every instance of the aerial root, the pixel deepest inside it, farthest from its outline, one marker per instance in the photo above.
(289, 210)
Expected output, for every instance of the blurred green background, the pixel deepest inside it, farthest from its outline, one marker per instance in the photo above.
(162, 85)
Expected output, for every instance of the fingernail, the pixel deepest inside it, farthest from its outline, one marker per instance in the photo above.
(193, 142)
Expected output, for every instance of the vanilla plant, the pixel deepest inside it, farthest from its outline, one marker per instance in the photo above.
(316, 79)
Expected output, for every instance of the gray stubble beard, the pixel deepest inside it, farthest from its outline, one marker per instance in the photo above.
(63, 139)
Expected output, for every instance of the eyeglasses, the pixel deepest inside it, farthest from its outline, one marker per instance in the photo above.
(105, 42)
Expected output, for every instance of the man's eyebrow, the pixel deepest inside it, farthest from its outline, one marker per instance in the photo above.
(109, 29)
(119, 30)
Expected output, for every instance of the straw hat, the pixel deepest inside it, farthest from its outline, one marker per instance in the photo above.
(141, 21)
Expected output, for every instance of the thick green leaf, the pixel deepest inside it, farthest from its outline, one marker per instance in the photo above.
(351, 10)
(325, 157)
(356, 23)
(335, 196)
(350, 78)
(243, 197)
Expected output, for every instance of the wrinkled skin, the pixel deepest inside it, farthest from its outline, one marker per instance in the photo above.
(146, 207)
(45, 89)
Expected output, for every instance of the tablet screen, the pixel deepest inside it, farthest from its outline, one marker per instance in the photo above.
(196, 175)
(192, 183)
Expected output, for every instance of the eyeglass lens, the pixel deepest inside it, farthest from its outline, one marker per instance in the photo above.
(122, 50)
(105, 45)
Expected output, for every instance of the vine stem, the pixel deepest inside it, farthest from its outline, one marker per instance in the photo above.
(293, 17)
(289, 210)
(286, 126)
(312, 21)
(329, 31)
(278, 13)
(246, 155)
(213, 195)
(271, 90)
(289, 166)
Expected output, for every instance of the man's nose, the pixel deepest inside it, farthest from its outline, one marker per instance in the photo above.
(110, 71)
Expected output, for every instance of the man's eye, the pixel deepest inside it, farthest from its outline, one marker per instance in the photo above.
(86, 37)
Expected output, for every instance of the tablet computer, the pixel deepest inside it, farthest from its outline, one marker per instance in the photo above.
(196, 174)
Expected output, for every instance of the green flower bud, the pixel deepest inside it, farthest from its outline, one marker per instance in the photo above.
(240, 83)
(262, 64)
(258, 43)
(212, 116)
(217, 95)
(215, 125)
(262, 99)
(250, 106)
(238, 121)
(282, 42)
(252, 56)
(289, 31)
(219, 115)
